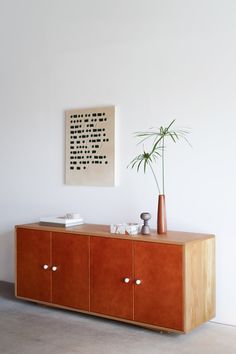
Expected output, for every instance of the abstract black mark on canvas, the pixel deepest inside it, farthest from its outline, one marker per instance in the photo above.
(87, 137)
(90, 146)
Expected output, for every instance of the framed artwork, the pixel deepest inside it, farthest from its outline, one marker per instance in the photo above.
(90, 146)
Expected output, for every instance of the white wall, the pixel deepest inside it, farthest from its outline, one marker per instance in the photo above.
(155, 60)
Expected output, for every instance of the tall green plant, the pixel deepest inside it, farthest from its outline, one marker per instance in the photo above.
(158, 138)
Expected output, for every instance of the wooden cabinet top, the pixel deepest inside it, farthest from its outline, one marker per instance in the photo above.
(172, 237)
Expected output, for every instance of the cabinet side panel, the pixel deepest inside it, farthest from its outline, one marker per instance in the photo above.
(32, 252)
(199, 283)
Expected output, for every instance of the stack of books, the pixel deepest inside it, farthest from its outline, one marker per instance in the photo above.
(63, 221)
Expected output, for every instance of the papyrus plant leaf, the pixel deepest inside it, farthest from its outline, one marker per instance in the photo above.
(158, 138)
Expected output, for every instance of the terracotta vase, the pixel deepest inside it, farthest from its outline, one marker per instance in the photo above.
(161, 215)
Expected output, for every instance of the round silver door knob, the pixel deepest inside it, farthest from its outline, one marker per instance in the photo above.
(126, 280)
(54, 268)
(45, 266)
(138, 282)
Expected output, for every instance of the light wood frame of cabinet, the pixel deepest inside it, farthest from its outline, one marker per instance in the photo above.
(198, 270)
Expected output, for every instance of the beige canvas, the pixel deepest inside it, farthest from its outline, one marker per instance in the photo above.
(90, 146)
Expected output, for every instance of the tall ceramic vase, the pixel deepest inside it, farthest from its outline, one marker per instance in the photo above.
(161, 215)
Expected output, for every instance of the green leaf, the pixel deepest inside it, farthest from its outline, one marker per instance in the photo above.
(158, 138)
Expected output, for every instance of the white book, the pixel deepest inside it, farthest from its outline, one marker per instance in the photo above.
(61, 220)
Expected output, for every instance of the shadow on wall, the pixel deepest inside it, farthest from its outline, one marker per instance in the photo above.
(7, 290)
(7, 255)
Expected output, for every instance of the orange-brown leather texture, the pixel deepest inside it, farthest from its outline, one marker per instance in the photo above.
(111, 262)
(158, 300)
(33, 251)
(70, 282)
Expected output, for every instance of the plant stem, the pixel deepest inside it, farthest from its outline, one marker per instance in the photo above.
(163, 165)
(155, 179)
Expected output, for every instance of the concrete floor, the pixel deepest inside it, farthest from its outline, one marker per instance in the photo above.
(27, 328)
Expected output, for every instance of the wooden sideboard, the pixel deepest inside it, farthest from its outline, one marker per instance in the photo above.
(163, 282)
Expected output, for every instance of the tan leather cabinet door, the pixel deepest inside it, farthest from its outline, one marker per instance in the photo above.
(111, 263)
(70, 280)
(33, 253)
(158, 299)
